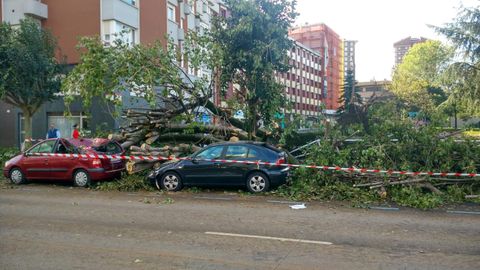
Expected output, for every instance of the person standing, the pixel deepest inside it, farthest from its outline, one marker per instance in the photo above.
(53, 132)
(75, 133)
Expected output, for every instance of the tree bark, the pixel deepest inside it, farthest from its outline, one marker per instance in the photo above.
(127, 144)
(138, 166)
(116, 137)
(151, 139)
(252, 122)
(27, 126)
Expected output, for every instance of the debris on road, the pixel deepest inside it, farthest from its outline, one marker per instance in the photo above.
(298, 206)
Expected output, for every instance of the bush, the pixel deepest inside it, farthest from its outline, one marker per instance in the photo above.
(311, 184)
(129, 183)
(415, 197)
(7, 153)
(391, 142)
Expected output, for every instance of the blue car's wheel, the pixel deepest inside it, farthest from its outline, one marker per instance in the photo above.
(257, 182)
(170, 181)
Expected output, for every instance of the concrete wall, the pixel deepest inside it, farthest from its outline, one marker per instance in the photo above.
(8, 122)
(10, 118)
(16, 10)
(1, 10)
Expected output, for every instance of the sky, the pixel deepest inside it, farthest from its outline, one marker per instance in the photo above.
(377, 24)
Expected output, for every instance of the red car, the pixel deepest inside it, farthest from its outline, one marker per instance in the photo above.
(28, 166)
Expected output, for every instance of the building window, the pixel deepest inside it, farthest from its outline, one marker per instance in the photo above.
(171, 13)
(223, 13)
(65, 123)
(114, 30)
(130, 2)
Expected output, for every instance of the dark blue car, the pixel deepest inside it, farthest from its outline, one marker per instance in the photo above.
(198, 171)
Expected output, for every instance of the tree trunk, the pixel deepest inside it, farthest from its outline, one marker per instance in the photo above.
(27, 127)
(252, 122)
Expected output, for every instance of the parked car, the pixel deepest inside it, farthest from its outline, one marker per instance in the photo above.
(28, 166)
(197, 171)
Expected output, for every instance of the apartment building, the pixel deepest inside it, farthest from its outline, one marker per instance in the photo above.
(402, 47)
(141, 21)
(303, 82)
(327, 42)
(349, 56)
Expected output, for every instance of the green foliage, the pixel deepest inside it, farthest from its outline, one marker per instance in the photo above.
(168, 201)
(456, 194)
(349, 95)
(7, 153)
(294, 139)
(464, 33)
(394, 142)
(417, 80)
(101, 131)
(151, 72)
(30, 74)
(253, 43)
(291, 137)
(129, 183)
(415, 197)
(193, 189)
(310, 184)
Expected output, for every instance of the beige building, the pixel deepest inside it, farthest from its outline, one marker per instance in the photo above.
(402, 47)
(303, 82)
(378, 90)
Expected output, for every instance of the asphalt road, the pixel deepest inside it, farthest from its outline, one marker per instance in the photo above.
(51, 227)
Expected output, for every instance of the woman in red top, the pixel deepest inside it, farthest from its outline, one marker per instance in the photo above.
(75, 133)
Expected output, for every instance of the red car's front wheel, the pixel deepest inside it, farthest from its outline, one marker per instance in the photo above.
(17, 177)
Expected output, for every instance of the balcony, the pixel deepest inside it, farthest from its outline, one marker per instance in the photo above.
(16, 10)
(120, 11)
(35, 8)
(181, 34)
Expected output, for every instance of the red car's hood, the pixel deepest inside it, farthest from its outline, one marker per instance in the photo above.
(15, 159)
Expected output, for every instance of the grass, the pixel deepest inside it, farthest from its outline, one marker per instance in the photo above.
(472, 133)
(128, 183)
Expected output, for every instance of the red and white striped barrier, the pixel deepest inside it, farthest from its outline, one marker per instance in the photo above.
(320, 167)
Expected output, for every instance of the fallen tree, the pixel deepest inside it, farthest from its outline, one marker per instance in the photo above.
(394, 143)
(157, 132)
(154, 74)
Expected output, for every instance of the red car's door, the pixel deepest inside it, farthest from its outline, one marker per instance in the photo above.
(37, 167)
(62, 167)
